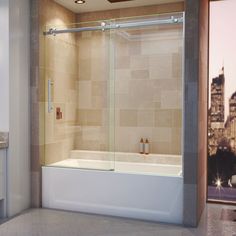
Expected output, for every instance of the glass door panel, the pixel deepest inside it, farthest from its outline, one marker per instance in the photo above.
(79, 100)
(149, 89)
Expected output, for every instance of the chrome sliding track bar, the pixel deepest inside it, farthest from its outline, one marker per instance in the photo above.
(126, 25)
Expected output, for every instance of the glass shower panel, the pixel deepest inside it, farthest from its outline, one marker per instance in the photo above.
(149, 90)
(109, 85)
(79, 126)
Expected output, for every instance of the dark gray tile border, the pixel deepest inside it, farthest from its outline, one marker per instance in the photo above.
(194, 195)
(190, 206)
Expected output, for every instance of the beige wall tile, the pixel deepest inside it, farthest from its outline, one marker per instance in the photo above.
(177, 62)
(129, 137)
(70, 112)
(161, 147)
(100, 68)
(82, 117)
(84, 48)
(136, 11)
(177, 118)
(161, 134)
(161, 66)
(122, 62)
(89, 117)
(135, 48)
(100, 102)
(85, 69)
(91, 133)
(54, 152)
(171, 99)
(122, 85)
(139, 62)
(163, 118)
(123, 74)
(85, 94)
(128, 118)
(94, 117)
(146, 118)
(140, 74)
(99, 88)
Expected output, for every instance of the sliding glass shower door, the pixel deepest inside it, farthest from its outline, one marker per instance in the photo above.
(149, 87)
(79, 106)
(109, 84)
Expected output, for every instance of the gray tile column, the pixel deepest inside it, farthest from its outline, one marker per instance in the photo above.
(195, 117)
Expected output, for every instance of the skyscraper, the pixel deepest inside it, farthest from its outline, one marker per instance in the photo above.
(230, 126)
(217, 101)
(216, 113)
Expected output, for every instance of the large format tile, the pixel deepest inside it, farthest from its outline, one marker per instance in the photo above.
(43, 222)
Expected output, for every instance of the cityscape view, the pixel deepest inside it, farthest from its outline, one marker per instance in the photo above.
(222, 103)
(221, 141)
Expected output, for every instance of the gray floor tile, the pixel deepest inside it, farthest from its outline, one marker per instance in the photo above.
(43, 222)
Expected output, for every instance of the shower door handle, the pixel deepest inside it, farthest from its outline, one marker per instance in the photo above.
(50, 106)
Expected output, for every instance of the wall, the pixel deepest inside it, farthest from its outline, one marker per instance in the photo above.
(61, 68)
(195, 130)
(47, 55)
(14, 90)
(203, 105)
(129, 12)
(147, 90)
(18, 160)
(4, 66)
(148, 86)
(93, 91)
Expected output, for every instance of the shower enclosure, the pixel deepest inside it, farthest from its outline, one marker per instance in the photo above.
(108, 85)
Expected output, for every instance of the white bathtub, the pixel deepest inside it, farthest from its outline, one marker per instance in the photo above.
(148, 191)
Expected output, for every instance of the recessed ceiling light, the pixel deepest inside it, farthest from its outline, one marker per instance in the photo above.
(80, 1)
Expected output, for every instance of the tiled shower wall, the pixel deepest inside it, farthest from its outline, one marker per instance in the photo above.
(47, 62)
(62, 70)
(148, 89)
(93, 91)
(148, 86)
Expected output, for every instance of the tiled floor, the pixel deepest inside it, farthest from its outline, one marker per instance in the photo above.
(42, 222)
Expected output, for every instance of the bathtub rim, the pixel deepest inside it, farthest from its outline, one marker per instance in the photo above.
(118, 172)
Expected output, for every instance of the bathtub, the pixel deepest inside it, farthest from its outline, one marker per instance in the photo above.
(148, 191)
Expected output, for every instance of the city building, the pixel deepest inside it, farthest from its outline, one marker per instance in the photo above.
(232, 106)
(218, 129)
(230, 124)
(217, 101)
(216, 113)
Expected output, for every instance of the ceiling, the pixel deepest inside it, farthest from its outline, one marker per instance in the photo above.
(99, 5)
